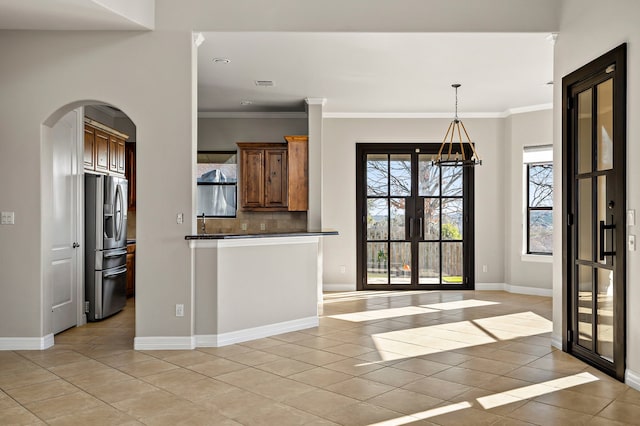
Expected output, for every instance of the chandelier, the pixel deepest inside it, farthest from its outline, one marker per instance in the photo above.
(455, 153)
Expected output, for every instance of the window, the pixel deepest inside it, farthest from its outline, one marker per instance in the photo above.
(538, 163)
(217, 184)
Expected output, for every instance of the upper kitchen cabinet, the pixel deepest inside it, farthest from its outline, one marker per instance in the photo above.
(104, 149)
(130, 173)
(274, 176)
(298, 170)
(263, 176)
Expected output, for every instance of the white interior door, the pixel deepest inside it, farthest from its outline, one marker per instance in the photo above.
(64, 268)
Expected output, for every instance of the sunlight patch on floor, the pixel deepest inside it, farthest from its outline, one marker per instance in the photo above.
(392, 345)
(370, 315)
(424, 415)
(498, 399)
(533, 391)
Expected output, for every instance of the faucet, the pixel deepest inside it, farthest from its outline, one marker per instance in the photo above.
(204, 227)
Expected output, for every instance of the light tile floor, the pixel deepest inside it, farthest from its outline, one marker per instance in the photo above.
(380, 358)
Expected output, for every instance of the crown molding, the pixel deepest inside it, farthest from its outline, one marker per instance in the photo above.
(504, 114)
(409, 115)
(316, 101)
(256, 114)
(525, 109)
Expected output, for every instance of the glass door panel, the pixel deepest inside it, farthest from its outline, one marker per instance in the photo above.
(400, 263)
(429, 261)
(452, 265)
(431, 219)
(377, 271)
(604, 132)
(452, 218)
(585, 307)
(584, 132)
(585, 221)
(604, 307)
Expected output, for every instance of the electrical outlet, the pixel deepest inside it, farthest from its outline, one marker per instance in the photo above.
(7, 218)
(243, 226)
(179, 218)
(179, 310)
(263, 226)
(343, 269)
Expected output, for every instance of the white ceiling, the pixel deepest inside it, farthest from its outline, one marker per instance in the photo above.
(403, 73)
(76, 14)
(408, 73)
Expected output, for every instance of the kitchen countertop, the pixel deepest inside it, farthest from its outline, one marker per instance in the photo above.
(229, 236)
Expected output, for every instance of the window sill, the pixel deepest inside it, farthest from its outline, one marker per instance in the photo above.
(539, 258)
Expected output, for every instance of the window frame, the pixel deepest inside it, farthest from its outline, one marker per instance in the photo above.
(220, 184)
(529, 208)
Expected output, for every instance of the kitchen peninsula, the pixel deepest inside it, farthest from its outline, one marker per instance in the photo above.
(250, 286)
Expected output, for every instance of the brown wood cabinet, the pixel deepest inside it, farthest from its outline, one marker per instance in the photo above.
(116, 154)
(131, 270)
(130, 172)
(298, 169)
(104, 148)
(102, 151)
(274, 176)
(263, 178)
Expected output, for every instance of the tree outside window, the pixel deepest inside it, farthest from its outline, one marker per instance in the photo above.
(539, 184)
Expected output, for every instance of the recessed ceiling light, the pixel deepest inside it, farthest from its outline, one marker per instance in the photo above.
(221, 60)
(265, 83)
(246, 102)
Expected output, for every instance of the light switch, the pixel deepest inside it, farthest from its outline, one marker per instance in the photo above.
(631, 217)
(7, 218)
(632, 242)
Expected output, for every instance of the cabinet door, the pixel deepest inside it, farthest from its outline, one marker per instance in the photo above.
(121, 156)
(89, 148)
(298, 173)
(275, 177)
(252, 164)
(102, 151)
(113, 154)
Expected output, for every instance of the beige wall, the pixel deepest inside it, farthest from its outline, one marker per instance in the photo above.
(521, 130)
(340, 136)
(588, 29)
(42, 72)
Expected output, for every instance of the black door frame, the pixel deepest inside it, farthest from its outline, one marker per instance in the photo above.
(468, 231)
(591, 71)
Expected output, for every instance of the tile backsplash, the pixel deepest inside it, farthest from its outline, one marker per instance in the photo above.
(273, 222)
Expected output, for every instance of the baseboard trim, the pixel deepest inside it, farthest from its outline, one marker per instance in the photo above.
(163, 343)
(338, 287)
(26, 343)
(531, 291)
(632, 379)
(556, 342)
(224, 339)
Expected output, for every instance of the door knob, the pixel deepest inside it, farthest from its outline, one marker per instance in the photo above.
(76, 245)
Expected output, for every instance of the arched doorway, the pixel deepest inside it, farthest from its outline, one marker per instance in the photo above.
(67, 157)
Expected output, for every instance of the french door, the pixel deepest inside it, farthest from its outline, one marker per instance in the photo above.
(594, 203)
(415, 219)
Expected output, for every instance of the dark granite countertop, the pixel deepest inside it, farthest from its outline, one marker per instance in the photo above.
(230, 236)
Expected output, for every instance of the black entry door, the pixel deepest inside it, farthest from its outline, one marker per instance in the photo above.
(415, 219)
(594, 184)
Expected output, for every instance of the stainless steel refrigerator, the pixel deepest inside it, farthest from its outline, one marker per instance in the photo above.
(105, 245)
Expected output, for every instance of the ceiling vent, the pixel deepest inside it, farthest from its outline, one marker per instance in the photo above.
(265, 83)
